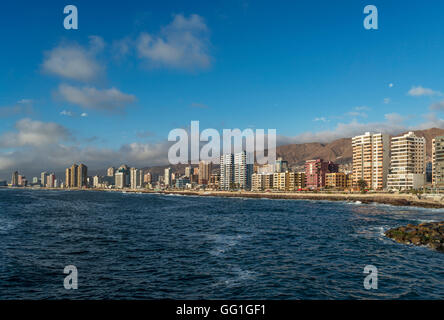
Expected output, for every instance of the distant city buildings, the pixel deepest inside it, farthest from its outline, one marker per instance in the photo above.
(398, 163)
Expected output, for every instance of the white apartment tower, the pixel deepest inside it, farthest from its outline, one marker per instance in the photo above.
(243, 169)
(407, 169)
(167, 177)
(371, 159)
(135, 178)
(226, 171)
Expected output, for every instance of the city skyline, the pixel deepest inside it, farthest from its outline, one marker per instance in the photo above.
(110, 92)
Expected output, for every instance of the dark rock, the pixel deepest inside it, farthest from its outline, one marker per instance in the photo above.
(430, 234)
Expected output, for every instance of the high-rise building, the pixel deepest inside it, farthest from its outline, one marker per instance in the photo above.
(407, 167)
(315, 171)
(120, 179)
(50, 183)
(43, 178)
(74, 176)
(67, 177)
(188, 171)
(281, 165)
(371, 159)
(110, 172)
(136, 178)
(14, 179)
(147, 178)
(226, 171)
(243, 169)
(438, 162)
(205, 168)
(167, 177)
(82, 175)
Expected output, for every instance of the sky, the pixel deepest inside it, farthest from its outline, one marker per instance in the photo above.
(111, 91)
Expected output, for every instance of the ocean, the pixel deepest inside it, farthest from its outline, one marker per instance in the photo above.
(152, 246)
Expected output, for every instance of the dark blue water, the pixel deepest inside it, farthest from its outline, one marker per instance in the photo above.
(141, 246)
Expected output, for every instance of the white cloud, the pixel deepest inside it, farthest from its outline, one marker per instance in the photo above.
(74, 62)
(438, 106)
(33, 133)
(183, 44)
(421, 91)
(84, 114)
(321, 119)
(92, 98)
(33, 159)
(387, 100)
(391, 85)
(66, 113)
(22, 107)
(393, 124)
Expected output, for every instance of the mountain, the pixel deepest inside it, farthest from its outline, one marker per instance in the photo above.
(340, 150)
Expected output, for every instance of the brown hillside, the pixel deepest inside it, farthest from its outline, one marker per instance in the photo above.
(339, 150)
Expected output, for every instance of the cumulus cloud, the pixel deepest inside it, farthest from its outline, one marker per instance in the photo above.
(56, 157)
(393, 124)
(33, 133)
(22, 107)
(74, 62)
(438, 106)
(92, 98)
(421, 91)
(183, 44)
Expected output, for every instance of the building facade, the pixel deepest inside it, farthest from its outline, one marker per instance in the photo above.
(315, 171)
(226, 171)
(407, 166)
(205, 168)
(438, 162)
(371, 159)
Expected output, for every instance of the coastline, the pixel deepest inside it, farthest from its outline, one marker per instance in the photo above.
(381, 198)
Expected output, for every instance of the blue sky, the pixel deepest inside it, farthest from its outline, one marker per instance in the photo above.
(139, 69)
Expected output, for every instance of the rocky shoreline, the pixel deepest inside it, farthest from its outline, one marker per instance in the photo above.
(389, 199)
(425, 234)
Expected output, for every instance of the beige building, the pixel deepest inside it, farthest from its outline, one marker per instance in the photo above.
(337, 180)
(407, 167)
(261, 181)
(280, 181)
(438, 162)
(296, 181)
(371, 159)
(205, 168)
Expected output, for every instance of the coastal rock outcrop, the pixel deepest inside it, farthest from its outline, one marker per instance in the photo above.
(429, 234)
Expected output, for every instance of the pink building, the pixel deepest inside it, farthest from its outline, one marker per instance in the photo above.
(315, 171)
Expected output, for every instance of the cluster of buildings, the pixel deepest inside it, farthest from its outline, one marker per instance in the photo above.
(379, 163)
(398, 163)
